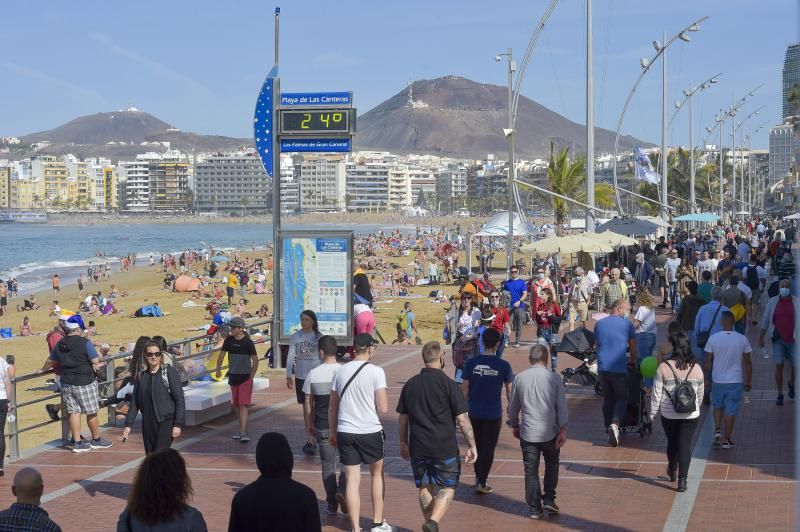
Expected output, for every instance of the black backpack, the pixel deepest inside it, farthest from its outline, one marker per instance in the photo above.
(752, 280)
(684, 400)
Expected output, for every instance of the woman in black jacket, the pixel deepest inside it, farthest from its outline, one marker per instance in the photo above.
(158, 395)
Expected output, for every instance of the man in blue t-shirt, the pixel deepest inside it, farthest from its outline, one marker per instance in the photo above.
(518, 290)
(614, 336)
(484, 377)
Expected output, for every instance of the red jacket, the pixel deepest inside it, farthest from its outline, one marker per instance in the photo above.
(545, 311)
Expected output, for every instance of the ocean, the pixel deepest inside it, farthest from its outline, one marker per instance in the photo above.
(33, 253)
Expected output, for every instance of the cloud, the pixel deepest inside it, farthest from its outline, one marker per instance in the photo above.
(154, 66)
(49, 79)
(338, 59)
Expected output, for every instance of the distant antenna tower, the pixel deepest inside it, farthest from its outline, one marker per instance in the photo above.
(410, 93)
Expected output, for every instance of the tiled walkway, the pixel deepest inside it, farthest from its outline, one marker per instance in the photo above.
(748, 488)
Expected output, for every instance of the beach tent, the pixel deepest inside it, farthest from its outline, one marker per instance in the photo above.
(184, 283)
(569, 244)
(697, 217)
(795, 216)
(497, 225)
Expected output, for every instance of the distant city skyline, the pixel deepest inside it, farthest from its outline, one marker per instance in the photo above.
(199, 65)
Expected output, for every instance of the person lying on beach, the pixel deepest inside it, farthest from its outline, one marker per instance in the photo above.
(263, 311)
(149, 311)
(117, 293)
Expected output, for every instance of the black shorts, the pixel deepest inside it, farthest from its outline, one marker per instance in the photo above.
(3, 301)
(298, 390)
(229, 291)
(357, 449)
(439, 472)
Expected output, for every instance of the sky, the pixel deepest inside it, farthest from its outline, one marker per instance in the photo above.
(199, 64)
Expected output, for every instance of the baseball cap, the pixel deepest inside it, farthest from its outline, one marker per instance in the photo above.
(363, 340)
(64, 315)
(236, 321)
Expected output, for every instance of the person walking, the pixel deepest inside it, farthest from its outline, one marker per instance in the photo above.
(687, 314)
(679, 427)
(612, 290)
(614, 336)
(158, 395)
(79, 362)
(302, 358)
(547, 314)
(500, 322)
(430, 406)
(27, 513)
(274, 502)
(7, 372)
(779, 321)
(728, 352)
(671, 269)
(580, 295)
(159, 497)
(484, 378)
(645, 323)
(358, 396)
(317, 392)
(517, 307)
(242, 368)
(538, 414)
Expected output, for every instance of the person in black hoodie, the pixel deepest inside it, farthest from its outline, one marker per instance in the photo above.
(274, 502)
(158, 395)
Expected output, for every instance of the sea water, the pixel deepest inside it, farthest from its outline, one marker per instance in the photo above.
(33, 253)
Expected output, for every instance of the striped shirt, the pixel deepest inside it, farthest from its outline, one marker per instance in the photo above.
(663, 386)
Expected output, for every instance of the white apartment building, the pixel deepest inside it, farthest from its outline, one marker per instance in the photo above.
(290, 186)
(451, 182)
(422, 181)
(400, 197)
(367, 186)
(234, 183)
(323, 180)
(134, 180)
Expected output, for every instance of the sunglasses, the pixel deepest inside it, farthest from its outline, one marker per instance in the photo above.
(153, 355)
(495, 297)
(513, 271)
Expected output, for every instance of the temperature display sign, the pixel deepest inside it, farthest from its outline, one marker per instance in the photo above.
(316, 121)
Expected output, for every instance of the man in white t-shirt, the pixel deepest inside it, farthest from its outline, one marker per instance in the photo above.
(358, 395)
(671, 268)
(706, 264)
(729, 353)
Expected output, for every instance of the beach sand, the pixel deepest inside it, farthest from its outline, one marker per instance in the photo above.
(144, 287)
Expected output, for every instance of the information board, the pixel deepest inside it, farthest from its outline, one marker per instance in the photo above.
(317, 274)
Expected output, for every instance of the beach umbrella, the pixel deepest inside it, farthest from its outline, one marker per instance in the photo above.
(795, 216)
(615, 239)
(629, 226)
(697, 217)
(220, 258)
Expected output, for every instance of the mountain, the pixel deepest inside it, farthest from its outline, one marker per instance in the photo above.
(454, 116)
(122, 134)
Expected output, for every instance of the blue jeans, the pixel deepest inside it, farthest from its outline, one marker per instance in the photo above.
(615, 396)
(645, 342)
(517, 320)
(782, 351)
(673, 295)
(699, 354)
(502, 345)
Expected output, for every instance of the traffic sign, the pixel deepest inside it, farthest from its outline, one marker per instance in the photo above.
(330, 99)
(316, 145)
(263, 130)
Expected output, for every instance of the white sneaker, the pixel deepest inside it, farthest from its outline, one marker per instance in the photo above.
(236, 435)
(385, 527)
(613, 435)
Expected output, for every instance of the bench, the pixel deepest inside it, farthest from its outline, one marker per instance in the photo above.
(207, 400)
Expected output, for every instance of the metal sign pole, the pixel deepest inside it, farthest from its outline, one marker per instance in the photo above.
(276, 211)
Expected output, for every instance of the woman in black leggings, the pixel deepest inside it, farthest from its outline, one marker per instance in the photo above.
(678, 427)
(158, 395)
(7, 372)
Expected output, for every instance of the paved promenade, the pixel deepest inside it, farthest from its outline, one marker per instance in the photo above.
(750, 487)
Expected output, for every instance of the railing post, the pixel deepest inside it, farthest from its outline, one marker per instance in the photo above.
(111, 410)
(187, 351)
(65, 432)
(14, 425)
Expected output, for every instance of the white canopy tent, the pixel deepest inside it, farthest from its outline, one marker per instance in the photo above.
(497, 225)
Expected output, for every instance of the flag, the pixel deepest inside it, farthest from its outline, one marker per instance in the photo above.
(643, 168)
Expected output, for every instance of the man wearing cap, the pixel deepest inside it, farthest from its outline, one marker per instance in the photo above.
(79, 362)
(358, 396)
(580, 294)
(242, 367)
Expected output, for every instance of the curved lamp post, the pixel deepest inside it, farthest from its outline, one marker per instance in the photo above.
(688, 93)
(513, 100)
(737, 127)
(646, 64)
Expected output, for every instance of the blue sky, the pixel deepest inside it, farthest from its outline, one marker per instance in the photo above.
(199, 64)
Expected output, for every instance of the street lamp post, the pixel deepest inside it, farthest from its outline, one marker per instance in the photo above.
(738, 125)
(688, 94)
(589, 120)
(646, 64)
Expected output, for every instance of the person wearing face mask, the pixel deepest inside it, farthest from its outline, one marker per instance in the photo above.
(779, 321)
(539, 282)
(580, 295)
(614, 289)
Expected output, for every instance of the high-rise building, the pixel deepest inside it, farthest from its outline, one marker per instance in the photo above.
(52, 177)
(322, 183)
(231, 183)
(5, 187)
(154, 182)
(367, 185)
(784, 145)
(134, 185)
(399, 192)
(451, 185)
(290, 186)
(791, 77)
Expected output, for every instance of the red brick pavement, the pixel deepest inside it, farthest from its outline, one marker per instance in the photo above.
(600, 488)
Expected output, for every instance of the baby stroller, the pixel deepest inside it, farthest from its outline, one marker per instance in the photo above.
(637, 415)
(580, 344)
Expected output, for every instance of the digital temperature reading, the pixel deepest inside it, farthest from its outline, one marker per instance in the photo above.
(315, 121)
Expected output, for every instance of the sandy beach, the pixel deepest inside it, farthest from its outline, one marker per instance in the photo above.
(145, 287)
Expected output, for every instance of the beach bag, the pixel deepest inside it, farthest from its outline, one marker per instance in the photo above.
(738, 311)
(752, 278)
(684, 400)
(463, 350)
(402, 322)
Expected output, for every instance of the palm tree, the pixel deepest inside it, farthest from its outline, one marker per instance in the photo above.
(244, 204)
(568, 178)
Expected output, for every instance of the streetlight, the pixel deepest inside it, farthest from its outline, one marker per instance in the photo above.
(688, 93)
(646, 64)
(739, 126)
(513, 100)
